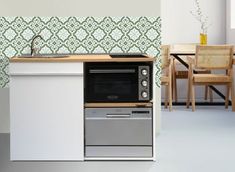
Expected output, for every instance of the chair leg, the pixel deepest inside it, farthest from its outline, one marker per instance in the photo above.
(176, 94)
(188, 94)
(166, 97)
(193, 95)
(227, 95)
(206, 92)
(232, 96)
(211, 94)
(170, 96)
(174, 83)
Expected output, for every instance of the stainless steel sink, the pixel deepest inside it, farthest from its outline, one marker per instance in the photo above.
(44, 56)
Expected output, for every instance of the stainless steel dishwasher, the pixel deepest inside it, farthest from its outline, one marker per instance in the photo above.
(118, 132)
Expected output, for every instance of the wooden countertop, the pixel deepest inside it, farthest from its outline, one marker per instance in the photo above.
(81, 58)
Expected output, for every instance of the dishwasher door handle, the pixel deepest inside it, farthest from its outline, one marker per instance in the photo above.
(113, 115)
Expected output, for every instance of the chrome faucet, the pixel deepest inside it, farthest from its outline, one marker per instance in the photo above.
(33, 49)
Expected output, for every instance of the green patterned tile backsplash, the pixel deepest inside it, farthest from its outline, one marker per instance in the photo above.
(78, 35)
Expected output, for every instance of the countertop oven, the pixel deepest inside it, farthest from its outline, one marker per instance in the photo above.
(118, 81)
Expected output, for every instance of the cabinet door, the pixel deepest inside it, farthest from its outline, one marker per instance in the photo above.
(47, 117)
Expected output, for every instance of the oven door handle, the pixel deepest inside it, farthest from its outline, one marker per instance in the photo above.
(112, 71)
(116, 115)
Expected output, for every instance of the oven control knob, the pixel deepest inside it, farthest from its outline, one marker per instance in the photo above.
(144, 94)
(144, 83)
(144, 72)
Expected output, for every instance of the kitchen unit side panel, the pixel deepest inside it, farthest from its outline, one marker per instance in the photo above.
(46, 117)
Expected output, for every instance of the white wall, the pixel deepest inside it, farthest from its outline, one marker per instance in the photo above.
(179, 26)
(230, 33)
(79, 8)
(70, 8)
(232, 13)
(4, 110)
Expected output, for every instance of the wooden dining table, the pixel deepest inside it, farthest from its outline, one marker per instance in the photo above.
(182, 51)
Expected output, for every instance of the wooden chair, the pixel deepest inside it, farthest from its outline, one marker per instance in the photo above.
(183, 74)
(166, 78)
(218, 57)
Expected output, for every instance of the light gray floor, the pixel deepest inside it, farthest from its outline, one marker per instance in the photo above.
(203, 141)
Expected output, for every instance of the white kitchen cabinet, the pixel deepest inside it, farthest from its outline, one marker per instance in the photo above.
(46, 107)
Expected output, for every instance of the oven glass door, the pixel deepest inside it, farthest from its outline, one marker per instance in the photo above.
(112, 85)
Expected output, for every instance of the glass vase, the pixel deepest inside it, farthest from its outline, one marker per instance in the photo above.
(203, 39)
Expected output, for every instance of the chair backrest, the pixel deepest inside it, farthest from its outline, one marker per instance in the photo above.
(214, 56)
(165, 56)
